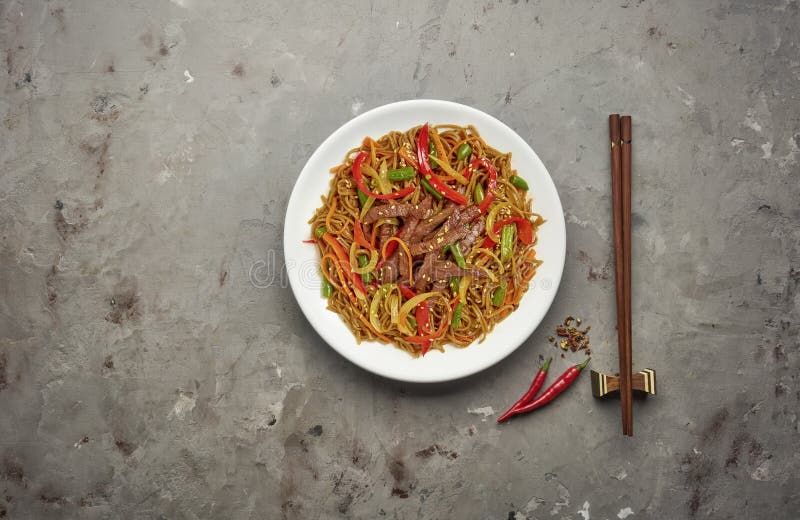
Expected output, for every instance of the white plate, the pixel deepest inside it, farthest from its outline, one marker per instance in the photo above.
(302, 260)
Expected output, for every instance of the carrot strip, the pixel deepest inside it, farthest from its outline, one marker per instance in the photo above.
(334, 202)
(408, 157)
(340, 273)
(438, 144)
(359, 238)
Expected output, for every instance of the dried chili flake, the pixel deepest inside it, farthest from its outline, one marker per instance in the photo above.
(575, 339)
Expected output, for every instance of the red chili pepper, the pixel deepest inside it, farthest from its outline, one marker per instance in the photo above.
(425, 169)
(524, 231)
(491, 183)
(357, 176)
(560, 384)
(537, 383)
(344, 260)
(358, 236)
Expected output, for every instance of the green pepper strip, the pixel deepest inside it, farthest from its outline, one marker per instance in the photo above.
(477, 194)
(499, 294)
(455, 282)
(455, 248)
(519, 182)
(457, 315)
(327, 287)
(401, 174)
(506, 242)
(429, 188)
(363, 260)
(463, 151)
(320, 231)
(362, 197)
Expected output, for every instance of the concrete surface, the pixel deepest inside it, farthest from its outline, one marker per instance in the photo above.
(148, 152)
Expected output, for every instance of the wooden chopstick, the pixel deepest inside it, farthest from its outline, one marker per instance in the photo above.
(619, 264)
(626, 374)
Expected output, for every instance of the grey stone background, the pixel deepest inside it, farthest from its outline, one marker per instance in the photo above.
(148, 152)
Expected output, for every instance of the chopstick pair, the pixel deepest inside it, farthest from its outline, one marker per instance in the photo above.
(620, 131)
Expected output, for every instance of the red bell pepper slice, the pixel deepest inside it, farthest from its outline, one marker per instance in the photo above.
(491, 184)
(406, 292)
(359, 178)
(344, 260)
(422, 315)
(390, 249)
(425, 169)
(524, 231)
(359, 237)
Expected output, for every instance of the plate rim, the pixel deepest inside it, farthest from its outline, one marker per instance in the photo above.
(386, 371)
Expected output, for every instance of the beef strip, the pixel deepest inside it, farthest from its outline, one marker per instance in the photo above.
(451, 222)
(397, 264)
(417, 211)
(439, 285)
(444, 269)
(386, 232)
(437, 271)
(402, 267)
(431, 223)
(455, 228)
(424, 274)
(389, 270)
(475, 230)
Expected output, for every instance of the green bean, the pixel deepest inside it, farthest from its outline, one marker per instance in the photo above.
(457, 314)
(478, 193)
(519, 182)
(402, 174)
(320, 231)
(455, 282)
(362, 197)
(327, 288)
(507, 242)
(455, 248)
(412, 322)
(463, 151)
(431, 190)
(499, 294)
(362, 262)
